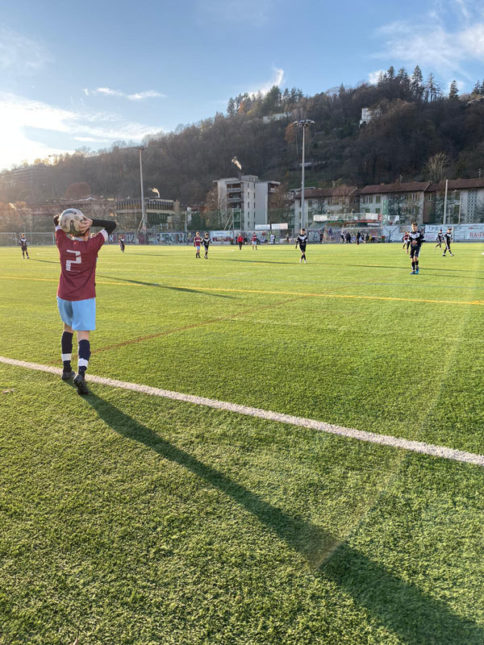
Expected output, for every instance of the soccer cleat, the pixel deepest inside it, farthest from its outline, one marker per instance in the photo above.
(412, 272)
(417, 271)
(80, 383)
(67, 374)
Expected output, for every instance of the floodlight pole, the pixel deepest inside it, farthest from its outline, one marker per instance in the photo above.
(445, 200)
(303, 123)
(143, 209)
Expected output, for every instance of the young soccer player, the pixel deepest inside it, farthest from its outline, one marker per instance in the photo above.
(122, 244)
(76, 295)
(240, 241)
(206, 244)
(23, 246)
(197, 240)
(301, 241)
(406, 241)
(254, 242)
(439, 239)
(416, 239)
(447, 240)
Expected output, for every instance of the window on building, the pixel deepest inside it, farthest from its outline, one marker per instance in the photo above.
(378, 199)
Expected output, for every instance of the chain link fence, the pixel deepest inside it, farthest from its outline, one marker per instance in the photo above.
(33, 239)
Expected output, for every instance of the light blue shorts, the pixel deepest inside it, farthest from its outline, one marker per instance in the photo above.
(78, 314)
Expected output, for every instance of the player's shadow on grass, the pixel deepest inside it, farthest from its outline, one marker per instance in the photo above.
(165, 286)
(46, 261)
(399, 605)
(255, 261)
(438, 271)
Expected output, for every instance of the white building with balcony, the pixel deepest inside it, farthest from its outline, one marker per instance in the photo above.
(244, 201)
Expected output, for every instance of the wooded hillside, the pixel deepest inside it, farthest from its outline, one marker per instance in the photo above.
(416, 133)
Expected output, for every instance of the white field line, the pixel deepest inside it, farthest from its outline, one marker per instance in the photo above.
(371, 437)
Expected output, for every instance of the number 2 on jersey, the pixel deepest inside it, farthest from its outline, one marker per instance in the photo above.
(69, 263)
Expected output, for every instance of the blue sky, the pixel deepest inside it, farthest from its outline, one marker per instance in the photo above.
(90, 73)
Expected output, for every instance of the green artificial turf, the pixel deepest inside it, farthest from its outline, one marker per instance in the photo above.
(132, 519)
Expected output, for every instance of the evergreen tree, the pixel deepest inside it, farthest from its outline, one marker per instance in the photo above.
(416, 83)
(453, 90)
(231, 107)
(432, 90)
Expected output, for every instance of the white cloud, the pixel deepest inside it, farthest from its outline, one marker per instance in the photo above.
(374, 77)
(463, 8)
(21, 117)
(461, 85)
(277, 79)
(20, 55)
(433, 44)
(137, 96)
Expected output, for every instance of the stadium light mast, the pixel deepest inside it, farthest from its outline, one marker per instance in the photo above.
(238, 165)
(304, 124)
(143, 209)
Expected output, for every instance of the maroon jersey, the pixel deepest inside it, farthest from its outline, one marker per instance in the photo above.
(197, 240)
(78, 265)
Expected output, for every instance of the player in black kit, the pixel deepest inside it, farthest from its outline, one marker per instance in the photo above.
(448, 240)
(301, 241)
(439, 239)
(416, 239)
(206, 244)
(23, 246)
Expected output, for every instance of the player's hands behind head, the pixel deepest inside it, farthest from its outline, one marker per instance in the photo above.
(85, 225)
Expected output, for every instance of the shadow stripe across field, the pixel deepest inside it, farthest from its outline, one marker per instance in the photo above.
(320, 426)
(263, 292)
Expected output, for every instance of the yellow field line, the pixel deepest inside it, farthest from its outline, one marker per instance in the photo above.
(271, 293)
(340, 295)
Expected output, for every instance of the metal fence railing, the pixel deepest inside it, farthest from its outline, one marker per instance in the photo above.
(33, 239)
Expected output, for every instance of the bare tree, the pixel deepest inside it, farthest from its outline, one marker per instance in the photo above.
(436, 166)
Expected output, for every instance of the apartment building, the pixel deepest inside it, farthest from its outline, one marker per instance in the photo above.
(398, 202)
(465, 201)
(244, 201)
(339, 200)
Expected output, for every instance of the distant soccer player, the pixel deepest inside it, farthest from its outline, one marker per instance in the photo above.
(122, 244)
(439, 239)
(448, 240)
(416, 239)
(301, 241)
(197, 240)
(76, 295)
(240, 241)
(206, 244)
(254, 242)
(23, 246)
(406, 241)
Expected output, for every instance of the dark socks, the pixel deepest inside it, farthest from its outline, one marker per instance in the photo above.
(84, 354)
(66, 348)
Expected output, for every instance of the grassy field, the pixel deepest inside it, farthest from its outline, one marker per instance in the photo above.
(127, 518)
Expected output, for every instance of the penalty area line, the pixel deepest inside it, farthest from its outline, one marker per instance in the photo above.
(312, 424)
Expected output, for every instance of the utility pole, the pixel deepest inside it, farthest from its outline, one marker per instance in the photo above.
(445, 200)
(304, 124)
(143, 209)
